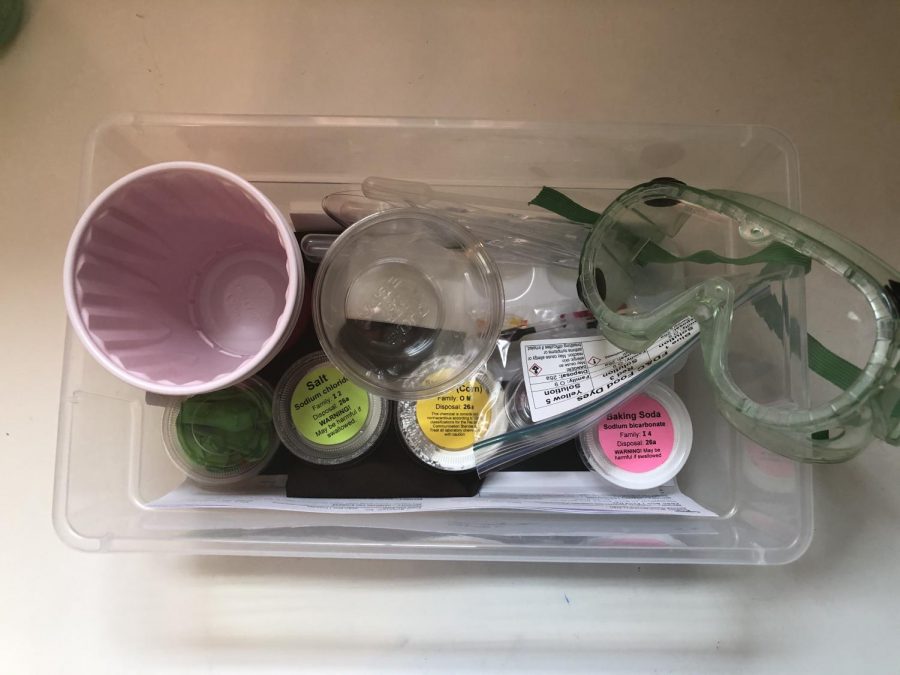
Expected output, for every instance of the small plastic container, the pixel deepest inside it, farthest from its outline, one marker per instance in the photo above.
(399, 289)
(322, 417)
(442, 430)
(641, 444)
(222, 437)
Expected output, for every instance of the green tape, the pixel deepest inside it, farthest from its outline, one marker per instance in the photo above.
(776, 253)
(837, 370)
(558, 203)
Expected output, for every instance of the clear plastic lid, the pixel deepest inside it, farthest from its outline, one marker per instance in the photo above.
(223, 436)
(322, 417)
(398, 290)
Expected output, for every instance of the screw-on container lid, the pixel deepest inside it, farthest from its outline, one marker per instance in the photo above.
(399, 289)
(322, 417)
(224, 436)
(641, 444)
(442, 430)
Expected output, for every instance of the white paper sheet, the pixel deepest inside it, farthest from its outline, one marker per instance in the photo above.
(549, 492)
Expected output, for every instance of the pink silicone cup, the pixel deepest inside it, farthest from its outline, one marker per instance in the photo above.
(182, 278)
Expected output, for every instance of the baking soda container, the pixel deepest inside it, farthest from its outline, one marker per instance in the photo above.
(442, 430)
(322, 417)
(642, 443)
(182, 278)
(221, 437)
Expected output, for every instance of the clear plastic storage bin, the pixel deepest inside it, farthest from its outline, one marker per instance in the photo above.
(111, 463)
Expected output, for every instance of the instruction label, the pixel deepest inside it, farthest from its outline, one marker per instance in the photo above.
(638, 436)
(456, 419)
(327, 408)
(564, 374)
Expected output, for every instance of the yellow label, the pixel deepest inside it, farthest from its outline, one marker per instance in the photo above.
(456, 419)
(326, 408)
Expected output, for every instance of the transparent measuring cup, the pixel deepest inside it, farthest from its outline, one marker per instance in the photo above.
(397, 290)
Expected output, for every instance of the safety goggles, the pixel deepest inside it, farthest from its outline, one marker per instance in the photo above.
(642, 271)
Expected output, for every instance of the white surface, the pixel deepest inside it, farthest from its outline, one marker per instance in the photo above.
(825, 73)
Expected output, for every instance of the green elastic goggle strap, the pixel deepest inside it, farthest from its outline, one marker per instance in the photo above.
(777, 253)
(822, 361)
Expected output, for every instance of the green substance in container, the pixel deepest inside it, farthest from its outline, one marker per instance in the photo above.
(223, 430)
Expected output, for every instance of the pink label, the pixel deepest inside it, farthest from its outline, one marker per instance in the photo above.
(638, 436)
